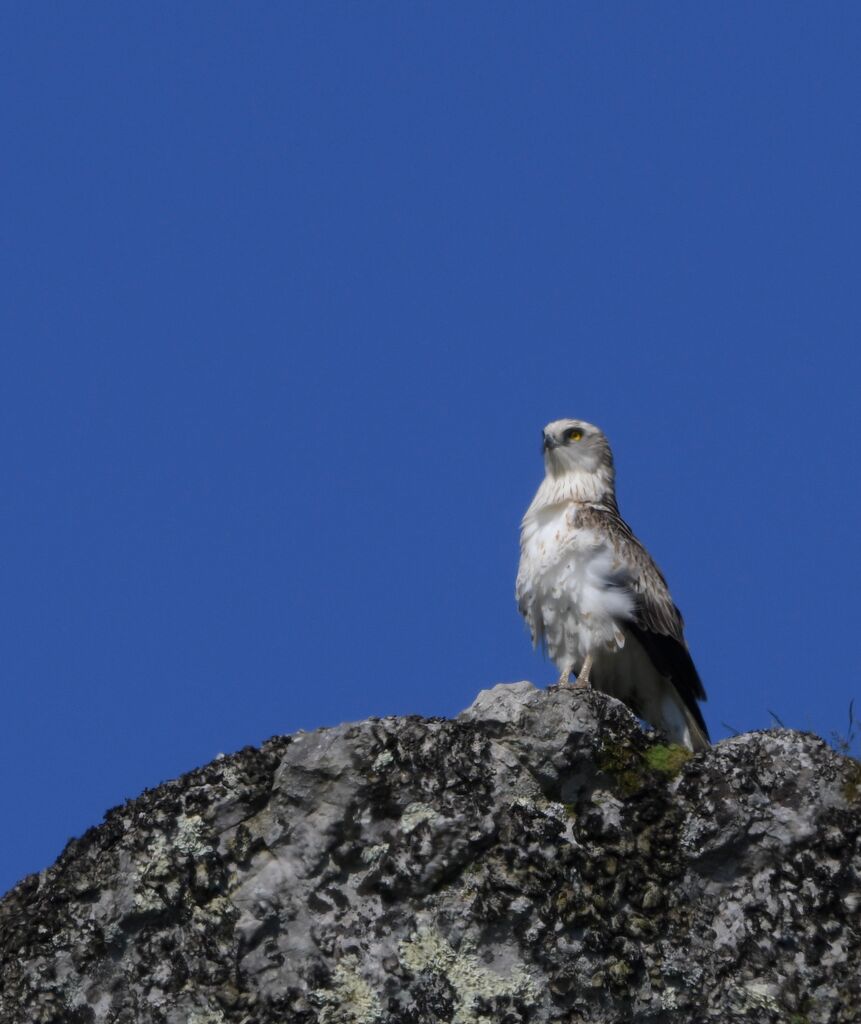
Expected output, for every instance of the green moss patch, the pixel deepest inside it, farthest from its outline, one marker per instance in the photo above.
(667, 758)
(632, 769)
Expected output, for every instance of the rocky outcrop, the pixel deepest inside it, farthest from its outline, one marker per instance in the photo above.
(539, 858)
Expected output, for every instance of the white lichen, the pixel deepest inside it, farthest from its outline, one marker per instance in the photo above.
(371, 854)
(158, 870)
(414, 814)
(350, 999)
(471, 980)
(190, 836)
(206, 1017)
(384, 758)
(757, 995)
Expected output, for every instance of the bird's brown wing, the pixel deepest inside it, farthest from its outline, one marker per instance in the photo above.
(657, 622)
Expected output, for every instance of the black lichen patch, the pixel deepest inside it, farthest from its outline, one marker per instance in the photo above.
(852, 780)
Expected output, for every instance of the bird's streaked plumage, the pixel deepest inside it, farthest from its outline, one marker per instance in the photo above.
(593, 597)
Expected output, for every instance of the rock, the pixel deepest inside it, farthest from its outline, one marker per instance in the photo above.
(539, 858)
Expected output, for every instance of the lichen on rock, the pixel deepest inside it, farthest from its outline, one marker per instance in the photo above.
(473, 983)
(537, 859)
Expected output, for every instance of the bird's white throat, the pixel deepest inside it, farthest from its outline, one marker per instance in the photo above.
(593, 488)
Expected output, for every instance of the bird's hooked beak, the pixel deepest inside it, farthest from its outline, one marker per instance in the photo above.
(548, 442)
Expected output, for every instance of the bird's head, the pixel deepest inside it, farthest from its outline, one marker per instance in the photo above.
(574, 446)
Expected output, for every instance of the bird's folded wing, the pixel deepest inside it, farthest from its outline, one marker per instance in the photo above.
(657, 622)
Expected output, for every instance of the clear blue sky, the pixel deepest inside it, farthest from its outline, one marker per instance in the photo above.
(289, 291)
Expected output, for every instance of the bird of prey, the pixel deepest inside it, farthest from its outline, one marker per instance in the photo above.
(593, 597)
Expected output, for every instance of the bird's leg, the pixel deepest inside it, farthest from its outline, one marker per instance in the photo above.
(583, 677)
(564, 677)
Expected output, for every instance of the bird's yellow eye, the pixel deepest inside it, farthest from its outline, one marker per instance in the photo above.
(575, 435)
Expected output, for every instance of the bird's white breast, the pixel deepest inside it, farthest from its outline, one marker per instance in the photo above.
(567, 586)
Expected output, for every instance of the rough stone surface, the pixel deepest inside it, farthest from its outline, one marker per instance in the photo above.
(539, 858)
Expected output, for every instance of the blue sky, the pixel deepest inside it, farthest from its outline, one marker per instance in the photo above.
(289, 291)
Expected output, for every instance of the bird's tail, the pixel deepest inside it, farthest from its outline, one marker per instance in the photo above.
(697, 739)
(681, 723)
